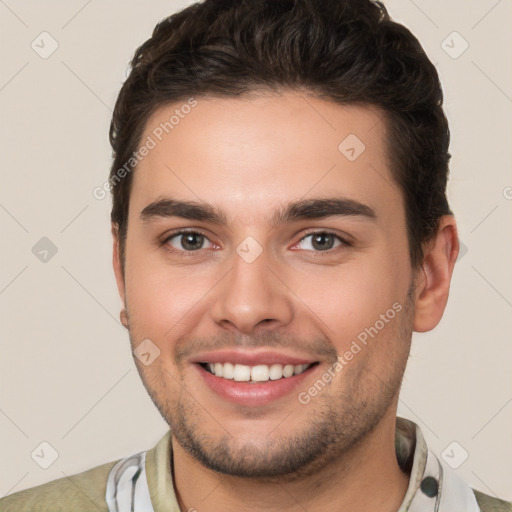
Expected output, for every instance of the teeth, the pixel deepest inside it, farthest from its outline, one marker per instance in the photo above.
(288, 370)
(276, 372)
(241, 372)
(299, 368)
(258, 373)
(228, 371)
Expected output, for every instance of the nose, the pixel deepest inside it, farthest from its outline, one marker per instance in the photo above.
(252, 296)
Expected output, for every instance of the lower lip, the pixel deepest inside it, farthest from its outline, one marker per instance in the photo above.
(253, 394)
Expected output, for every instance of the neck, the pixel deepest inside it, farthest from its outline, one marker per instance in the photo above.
(366, 477)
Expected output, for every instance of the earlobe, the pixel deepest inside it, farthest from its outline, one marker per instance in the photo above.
(433, 280)
(123, 318)
(117, 263)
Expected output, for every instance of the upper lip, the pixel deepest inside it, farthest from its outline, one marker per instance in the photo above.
(251, 357)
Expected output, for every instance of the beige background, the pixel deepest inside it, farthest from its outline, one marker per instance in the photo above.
(66, 371)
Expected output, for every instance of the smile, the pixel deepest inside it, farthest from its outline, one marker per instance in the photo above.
(254, 377)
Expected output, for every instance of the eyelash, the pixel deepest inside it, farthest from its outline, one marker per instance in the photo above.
(185, 254)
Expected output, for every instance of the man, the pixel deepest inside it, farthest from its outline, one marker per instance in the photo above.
(280, 229)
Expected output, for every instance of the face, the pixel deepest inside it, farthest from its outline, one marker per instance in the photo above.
(267, 277)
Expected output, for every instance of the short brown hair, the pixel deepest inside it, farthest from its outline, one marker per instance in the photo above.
(346, 51)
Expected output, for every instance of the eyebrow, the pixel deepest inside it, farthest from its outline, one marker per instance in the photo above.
(305, 209)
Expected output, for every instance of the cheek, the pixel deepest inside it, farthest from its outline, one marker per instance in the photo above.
(344, 301)
(161, 298)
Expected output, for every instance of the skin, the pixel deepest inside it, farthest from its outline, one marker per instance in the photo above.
(249, 156)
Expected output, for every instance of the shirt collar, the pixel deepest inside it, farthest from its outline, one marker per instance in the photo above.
(433, 486)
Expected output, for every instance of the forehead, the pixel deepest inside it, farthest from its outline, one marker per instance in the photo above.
(249, 153)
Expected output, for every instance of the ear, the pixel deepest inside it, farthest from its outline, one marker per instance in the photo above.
(433, 279)
(117, 263)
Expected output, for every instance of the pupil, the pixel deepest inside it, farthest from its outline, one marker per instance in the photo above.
(319, 241)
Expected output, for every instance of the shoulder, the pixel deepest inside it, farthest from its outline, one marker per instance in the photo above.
(83, 491)
(490, 504)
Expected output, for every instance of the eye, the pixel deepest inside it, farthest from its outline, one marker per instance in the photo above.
(321, 241)
(189, 241)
